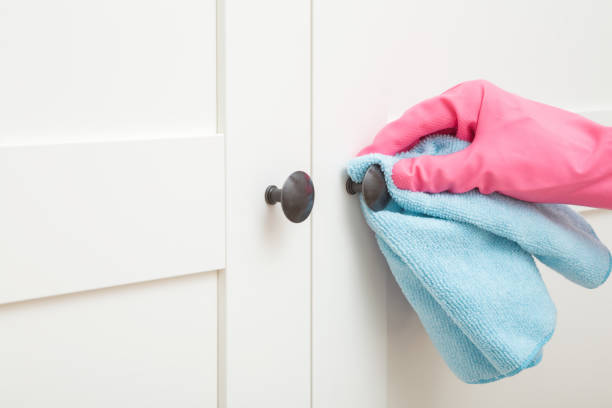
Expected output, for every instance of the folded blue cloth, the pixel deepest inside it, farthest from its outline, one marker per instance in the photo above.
(464, 262)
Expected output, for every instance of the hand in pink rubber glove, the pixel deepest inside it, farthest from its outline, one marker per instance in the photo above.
(520, 148)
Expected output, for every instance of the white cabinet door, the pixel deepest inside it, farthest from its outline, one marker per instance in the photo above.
(373, 60)
(266, 292)
(110, 173)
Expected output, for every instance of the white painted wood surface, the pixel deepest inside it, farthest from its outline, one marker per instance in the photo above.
(266, 284)
(111, 172)
(373, 60)
(109, 162)
(349, 274)
(85, 70)
(150, 345)
(80, 216)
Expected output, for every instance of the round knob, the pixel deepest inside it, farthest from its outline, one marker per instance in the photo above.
(373, 187)
(296, 196)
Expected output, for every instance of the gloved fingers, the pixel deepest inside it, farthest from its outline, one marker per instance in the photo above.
(457, 172)
(456, 110)
(430, 116)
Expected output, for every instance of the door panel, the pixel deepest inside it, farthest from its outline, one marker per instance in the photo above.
(86, 70)
(266, 284)
(148, 345)
(90, 215)
(386, 57)
(109, 161)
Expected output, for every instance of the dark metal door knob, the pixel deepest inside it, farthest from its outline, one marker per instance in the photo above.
(296, 196)
(373, 187)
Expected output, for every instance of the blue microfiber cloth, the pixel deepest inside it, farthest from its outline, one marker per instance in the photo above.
(464, 262)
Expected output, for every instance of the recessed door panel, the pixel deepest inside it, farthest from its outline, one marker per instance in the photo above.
(83, 70)
(152, 344)
(111, 170)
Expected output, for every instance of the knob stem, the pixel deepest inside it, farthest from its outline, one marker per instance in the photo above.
(273, 194)
(353, 188)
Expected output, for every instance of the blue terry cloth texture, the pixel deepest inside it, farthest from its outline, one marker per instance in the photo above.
(465, 263)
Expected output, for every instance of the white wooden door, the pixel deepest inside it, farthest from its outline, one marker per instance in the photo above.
(109, 175)
(266, 286)
(371, 61)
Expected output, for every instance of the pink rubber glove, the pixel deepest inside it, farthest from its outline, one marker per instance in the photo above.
(520, 148)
